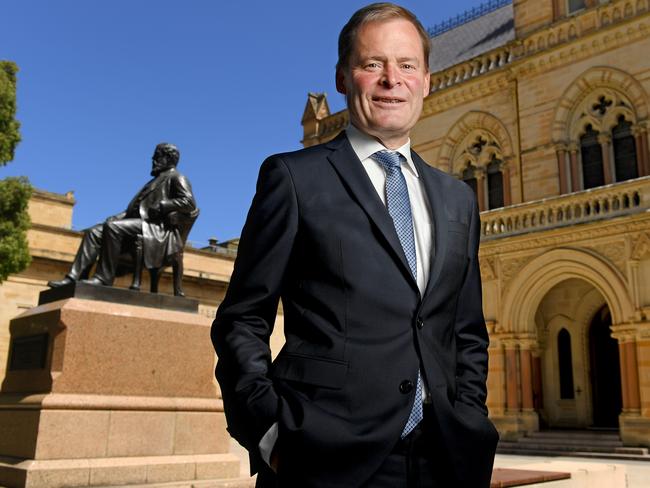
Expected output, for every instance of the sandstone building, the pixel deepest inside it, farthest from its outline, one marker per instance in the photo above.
(541, 106)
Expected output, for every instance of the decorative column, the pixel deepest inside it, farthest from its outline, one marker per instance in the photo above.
(538, 392)
(605, 145)
(622, 359)
(560, 151)
(512, 377)
(632, 373)
(496, 383)
(480, 189)
(507, 191)
(639, 135)
(526, 364)
(644, 150)
(575, 171)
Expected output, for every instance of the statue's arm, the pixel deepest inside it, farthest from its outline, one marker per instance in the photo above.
(181, 198)
(118, 216)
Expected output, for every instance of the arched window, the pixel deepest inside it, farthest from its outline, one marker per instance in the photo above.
(566, 364)
(592, 159)
(575, 5)
(495, 183)
(624, 150)
(470, 179)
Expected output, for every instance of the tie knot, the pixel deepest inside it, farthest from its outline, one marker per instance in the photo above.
(388, 159)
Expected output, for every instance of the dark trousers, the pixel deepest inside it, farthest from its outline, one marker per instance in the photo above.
(103, 241)
(417, 461)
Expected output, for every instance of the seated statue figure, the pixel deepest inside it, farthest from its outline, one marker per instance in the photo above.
(149, 228)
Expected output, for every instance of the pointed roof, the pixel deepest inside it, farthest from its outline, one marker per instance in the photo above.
(316, 107)
(472, 38)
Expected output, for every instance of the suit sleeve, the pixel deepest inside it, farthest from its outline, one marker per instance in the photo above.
(471, 331)
(244, 321)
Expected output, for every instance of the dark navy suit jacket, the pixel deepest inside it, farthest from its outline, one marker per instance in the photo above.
(318, 238)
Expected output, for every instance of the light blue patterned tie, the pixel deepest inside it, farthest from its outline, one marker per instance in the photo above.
(399, 208)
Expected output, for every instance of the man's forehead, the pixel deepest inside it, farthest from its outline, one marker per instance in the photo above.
(406, 37)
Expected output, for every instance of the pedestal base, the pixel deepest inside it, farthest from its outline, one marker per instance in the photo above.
(111, 394)
(116, 471)
(634, 429)
(512, 426)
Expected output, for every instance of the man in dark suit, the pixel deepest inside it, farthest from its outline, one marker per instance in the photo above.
(168, 191)
(374, 254)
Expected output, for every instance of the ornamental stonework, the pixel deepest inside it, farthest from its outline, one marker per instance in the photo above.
(641, 249)
(614, 252)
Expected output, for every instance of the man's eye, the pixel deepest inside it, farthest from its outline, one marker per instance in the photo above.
(408, 66)
(372, 65)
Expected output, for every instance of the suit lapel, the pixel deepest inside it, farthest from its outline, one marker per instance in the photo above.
(434, 191)
(354, 176)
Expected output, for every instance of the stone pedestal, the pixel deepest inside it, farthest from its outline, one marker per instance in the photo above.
(100, 393)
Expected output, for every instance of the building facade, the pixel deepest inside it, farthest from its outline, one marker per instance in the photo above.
(541, 106)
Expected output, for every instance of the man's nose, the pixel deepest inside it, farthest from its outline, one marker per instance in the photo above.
(390, 76)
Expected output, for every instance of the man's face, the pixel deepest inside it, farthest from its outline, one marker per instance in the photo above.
(386, 80)
(158, 163)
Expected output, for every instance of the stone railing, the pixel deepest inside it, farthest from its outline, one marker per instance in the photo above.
(605, 202)
(477, 66)
(584, 22)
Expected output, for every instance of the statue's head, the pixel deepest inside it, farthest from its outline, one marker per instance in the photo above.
(164, 157)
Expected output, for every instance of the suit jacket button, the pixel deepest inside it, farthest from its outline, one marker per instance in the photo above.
(406, 386)
(420, 323)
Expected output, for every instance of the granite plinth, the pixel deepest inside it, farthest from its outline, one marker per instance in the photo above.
(111, 394)
(119, 295)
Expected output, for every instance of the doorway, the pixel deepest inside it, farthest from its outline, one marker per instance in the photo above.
(605, 372)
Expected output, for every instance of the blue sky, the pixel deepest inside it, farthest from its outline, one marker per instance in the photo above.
(101, 83)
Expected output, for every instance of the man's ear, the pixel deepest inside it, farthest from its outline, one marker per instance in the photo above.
(340, 81)
(427, 83)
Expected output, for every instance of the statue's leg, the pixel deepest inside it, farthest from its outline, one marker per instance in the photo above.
(86, 256)
(154, 276)
(114, 233)
(138, 259)
(177, 267)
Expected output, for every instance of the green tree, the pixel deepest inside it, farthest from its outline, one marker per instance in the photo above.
(9, 126)
(14, 222)
(14, 192)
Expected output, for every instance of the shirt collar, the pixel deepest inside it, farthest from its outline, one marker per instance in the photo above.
(365, 146)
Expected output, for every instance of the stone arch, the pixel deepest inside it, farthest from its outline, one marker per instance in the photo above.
(597, 81)
(470, 126)
(528, 288)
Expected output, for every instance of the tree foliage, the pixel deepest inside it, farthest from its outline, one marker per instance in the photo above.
(14, 192)
(9, 126)
(14, 222)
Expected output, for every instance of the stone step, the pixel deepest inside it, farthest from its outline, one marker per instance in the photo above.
(562, 435)
(581, 454)
(571, 442)
(553, 447)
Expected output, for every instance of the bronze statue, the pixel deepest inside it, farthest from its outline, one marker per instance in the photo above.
(152, 231)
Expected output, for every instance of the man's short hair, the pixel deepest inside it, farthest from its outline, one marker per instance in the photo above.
(377, 12)
(169, 151)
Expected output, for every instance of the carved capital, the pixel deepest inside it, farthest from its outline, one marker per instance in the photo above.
(561, 146)
(604, 138)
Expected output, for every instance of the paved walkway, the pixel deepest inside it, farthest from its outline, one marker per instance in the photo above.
(638, 472)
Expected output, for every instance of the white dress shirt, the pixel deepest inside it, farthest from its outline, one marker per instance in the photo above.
(365, 146)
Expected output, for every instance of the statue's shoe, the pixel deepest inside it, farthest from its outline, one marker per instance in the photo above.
(58, 283)
(94, 281)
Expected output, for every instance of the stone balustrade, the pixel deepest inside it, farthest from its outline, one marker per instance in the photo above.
(477, 66)
(600, 203)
